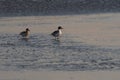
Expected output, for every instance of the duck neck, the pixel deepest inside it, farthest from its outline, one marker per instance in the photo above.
(60, 32)
(27, 31)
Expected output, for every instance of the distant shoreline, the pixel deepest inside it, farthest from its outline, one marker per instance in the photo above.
(54, 14)
(56, 7)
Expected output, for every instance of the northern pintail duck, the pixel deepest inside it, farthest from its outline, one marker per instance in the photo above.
(57, 33)
(25, 33)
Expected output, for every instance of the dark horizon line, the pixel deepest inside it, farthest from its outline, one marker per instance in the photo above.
(56, 14)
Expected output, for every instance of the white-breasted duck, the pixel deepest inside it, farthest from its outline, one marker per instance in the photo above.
(57, 33)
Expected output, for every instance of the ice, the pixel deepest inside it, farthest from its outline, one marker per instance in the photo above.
(88, 43)
(43, 52)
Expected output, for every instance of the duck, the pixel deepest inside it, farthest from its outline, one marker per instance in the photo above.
(25, 33)
(57, 34)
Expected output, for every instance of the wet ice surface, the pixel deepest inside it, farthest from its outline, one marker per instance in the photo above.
(42, 52)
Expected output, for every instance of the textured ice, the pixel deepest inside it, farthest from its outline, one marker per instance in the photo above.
(41, 52)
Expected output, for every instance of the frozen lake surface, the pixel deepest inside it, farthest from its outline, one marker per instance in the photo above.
(89, 42)
(42, 52)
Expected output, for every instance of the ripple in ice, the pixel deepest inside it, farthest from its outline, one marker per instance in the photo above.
(41, 52)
